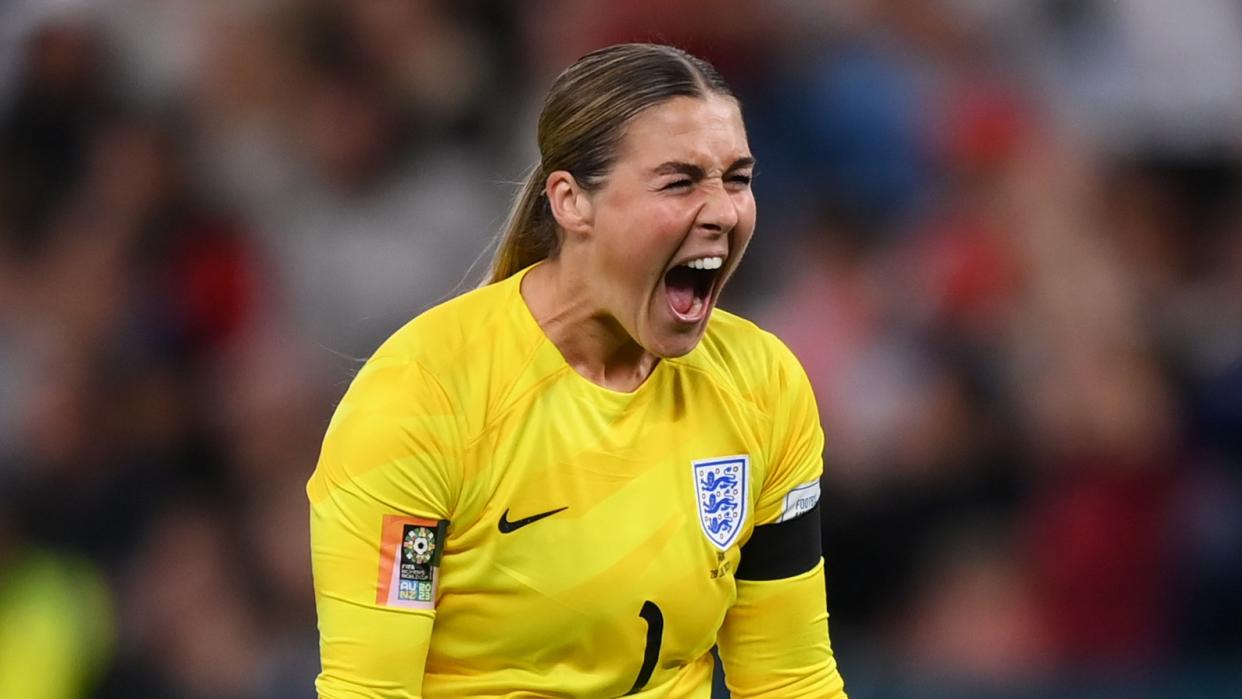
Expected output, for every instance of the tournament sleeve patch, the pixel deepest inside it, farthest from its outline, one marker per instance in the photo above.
(782, 550)
(410, 550)
(799, 500)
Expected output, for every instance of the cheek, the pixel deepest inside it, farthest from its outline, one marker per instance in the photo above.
(647, 240)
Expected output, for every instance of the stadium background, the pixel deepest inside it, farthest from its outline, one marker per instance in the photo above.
(1002, 236)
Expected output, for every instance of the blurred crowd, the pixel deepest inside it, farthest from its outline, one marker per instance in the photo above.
(1004, 238)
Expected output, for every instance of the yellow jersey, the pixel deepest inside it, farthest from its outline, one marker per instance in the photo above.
(487, 522)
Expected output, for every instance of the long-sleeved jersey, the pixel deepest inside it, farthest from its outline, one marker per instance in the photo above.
(487, 522)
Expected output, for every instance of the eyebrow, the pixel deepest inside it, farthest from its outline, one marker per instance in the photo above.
(674, 167)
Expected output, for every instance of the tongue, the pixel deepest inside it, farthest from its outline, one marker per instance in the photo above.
(679, 283)
(681, 298)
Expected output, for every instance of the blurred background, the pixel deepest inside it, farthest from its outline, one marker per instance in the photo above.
(1003, 236)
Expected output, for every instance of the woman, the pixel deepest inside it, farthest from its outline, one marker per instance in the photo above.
(577, 479)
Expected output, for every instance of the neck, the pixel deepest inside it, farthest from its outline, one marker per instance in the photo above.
(590, 339)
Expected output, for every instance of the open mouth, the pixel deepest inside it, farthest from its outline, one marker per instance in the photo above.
(689, 287)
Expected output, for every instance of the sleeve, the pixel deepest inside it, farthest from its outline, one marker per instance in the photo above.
(796, 449)
(380, 499)
(774, 640)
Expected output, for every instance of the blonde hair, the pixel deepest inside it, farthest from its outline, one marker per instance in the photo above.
(580, 130)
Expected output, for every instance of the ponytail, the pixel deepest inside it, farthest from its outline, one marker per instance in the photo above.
(529, 234)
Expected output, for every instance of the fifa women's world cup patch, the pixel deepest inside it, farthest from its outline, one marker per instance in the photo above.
(722, 489)
(410, 550)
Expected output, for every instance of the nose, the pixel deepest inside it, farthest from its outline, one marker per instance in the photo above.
(718, 214)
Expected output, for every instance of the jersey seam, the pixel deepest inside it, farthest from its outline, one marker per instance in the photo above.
(508, 404)
(715, 382)
(507, 397)
(457, 418)
(506, 400)
(754, 404)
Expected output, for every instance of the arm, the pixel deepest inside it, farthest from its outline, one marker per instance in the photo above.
(382, 474)
(368, 650)
(774, 641)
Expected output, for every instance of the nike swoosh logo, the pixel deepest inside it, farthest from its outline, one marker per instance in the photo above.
(506, 526)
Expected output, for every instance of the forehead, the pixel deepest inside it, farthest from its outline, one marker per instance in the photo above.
(707, 132)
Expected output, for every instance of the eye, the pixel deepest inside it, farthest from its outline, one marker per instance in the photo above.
(741, 179)
(676, 185)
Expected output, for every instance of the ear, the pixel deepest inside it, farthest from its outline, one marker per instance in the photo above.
(570, 204)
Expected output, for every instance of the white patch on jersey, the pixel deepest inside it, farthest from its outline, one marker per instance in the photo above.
(800, 500)
(722, 491)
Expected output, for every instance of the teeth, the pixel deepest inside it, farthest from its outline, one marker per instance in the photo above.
(706, 263)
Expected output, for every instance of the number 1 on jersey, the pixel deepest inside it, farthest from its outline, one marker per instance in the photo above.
(651, 614)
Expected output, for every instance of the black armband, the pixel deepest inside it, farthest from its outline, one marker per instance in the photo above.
(782, 550)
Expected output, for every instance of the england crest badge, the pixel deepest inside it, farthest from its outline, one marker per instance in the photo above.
(722, 487)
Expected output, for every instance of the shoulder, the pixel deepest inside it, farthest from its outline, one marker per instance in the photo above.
(456, 357)
(458, 338)
(437, 337)
(409, 400)
(748, 358)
